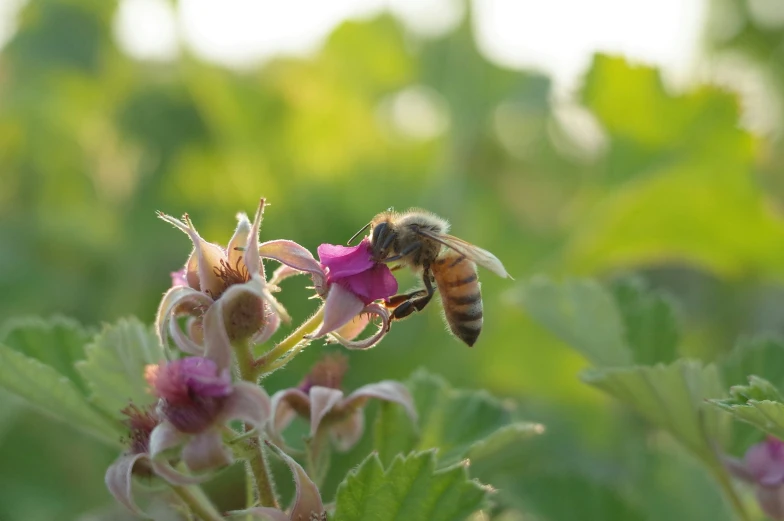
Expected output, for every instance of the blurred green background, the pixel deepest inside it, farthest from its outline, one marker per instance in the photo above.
(630, 176)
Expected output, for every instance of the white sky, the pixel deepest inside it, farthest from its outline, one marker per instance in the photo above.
(554, 36)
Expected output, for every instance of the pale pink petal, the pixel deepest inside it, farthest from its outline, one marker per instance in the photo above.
(164, 437)
(282, 412)
(217, 344)
(270, 327)
(175, 477)
(322, 401)
(263, 513)
(307, 503)
(119, 478)
(340, 307)
(352, 330)
(236, 248)
(182, 341)
(173, 298)
(383, 329)
(252, 256)
(347, 433)
(179, 278)
(249, 403)
(283, 272)
(206, 451)
(295, 256)
(388, 390)
(771, 501)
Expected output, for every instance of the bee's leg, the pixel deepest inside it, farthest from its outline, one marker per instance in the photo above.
(405, 251)
(418, 300)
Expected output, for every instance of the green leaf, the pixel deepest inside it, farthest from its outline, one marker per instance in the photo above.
(582, 314)
(456, 422)
(114, 369)
(58, 342)
(649, 320)
(671, 397)
(411, 489)
(763, 357)
(758, 403)
(52, 393)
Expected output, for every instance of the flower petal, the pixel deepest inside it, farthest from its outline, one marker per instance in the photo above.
(248, 403)
(179, 278)
(174, 298)
(175, 477)
(372, 284)
(322, 401)
(344, 261)
(352, 330)
(765, 461)
(347, 433)
(383, 329)
(285, 405)
(216, 340)
(295, 256)
(270, 327)
(119, 478)
(340, 307)
(263, 513)
(236, 248)
(771, 501)
(205, 451)
(307, 503)
(163, 437)
(252, 257)
(183, 341)
(388, 390)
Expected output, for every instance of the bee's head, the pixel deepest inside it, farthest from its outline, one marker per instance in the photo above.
(382, 239)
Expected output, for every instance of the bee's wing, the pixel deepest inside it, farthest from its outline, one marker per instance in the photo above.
(481, 256)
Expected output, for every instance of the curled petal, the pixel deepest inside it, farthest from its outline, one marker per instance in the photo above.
(340, 307)
(163, 437)
(295, 256)
(284, 408)
(175, 477)
(236, 248)
(119, 477)
(283, 272)
(205, 451)
(352, 330)
(174, 298)
(307, 503)
(252, 256)
(248, 403)
(347, 433)
(371, 309)
(322, 401)
(218, 346)
(270, 327)
(263, 513)
(388, 390)
(183, 341)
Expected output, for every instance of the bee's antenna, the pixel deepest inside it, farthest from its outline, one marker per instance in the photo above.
(358, 233)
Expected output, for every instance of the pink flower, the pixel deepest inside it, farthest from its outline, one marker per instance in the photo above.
(354, 283)
(320, 400)
(763, 466)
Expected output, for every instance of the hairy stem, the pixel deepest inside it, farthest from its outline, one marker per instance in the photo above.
(290, 346)
(729, 491)
(198, 502)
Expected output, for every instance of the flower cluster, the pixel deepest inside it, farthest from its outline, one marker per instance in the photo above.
(219, 314)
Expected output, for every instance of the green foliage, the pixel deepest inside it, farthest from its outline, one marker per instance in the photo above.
(410, 488)
(762, 356)
(758, 403)
(114, 368)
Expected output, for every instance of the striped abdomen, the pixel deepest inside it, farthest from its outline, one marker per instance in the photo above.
(457, 281)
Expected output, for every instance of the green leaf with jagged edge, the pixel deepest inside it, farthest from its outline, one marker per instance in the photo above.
(459, 423)
(57, 342)
(411, 488)
(114, 369)
(649, 320)
(673, 398)
(758, 403)
(50, 392)
(582, 314)
(760, 356)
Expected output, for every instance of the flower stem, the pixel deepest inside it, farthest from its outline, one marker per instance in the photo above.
(295, 343)
(198, 502)
(729, 491)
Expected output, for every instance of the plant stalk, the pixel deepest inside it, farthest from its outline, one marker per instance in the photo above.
(295, 343)
(198, 502)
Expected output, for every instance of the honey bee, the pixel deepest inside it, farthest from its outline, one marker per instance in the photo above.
(419, 239)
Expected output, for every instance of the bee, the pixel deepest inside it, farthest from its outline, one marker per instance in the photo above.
(419, 239)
